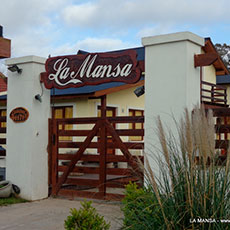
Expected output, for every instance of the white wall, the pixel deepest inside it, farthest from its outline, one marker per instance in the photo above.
(171, 82)
(26, 160)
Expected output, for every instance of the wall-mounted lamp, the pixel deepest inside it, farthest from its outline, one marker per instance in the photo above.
(1, 31)
(15, 68)
(139, 91)
(38, 97)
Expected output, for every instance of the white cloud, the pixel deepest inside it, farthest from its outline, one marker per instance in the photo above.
(17, 16)
(103, 44)
(44, 47)
(155, 30)
(56, 27)
(90, 45)
(31, 25)
(83, 13)
(127, 13)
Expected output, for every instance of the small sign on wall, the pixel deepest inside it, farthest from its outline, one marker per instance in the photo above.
(19, 114)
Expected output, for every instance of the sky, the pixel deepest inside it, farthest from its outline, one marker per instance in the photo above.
(60, 27)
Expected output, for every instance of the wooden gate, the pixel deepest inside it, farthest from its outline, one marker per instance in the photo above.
(80, 164)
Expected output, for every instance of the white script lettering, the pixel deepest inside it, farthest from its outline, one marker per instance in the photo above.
(64, 75)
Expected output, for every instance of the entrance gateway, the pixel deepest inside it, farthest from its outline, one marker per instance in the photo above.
(82, 164)
(172, 82)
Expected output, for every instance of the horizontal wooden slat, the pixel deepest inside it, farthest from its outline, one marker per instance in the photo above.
(119, 171)
(2, 119)
(2, 153)
(130, 132)
(81, 120)
(120, 132)
(222, 144)
(121, 158)
(220, 161)
(65, 156)
(134, 145)
(109, 158)
(129, 145)
(221, 112)
(2, 130)
(125, 179)
(214, 85)
(112, 184)
(82, 182)
(222, 128)
(76, 145)
(206, 90)
(74, 132)
(91, 120)
(214, 99)
(2, 141)
(126, 119)
(79, 169)
(95, 158)
(217, 94)
(95, 170)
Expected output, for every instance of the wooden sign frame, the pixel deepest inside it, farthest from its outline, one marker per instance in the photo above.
(91, 69)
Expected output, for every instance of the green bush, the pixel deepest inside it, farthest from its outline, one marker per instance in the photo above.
(140, 208)
(86, 218)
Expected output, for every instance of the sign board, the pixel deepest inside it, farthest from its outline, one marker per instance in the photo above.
(19, 114)
(91, 69)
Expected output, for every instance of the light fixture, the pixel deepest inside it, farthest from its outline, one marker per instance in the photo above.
(1, 31)
(15, 68)
(139, 91)
(38, 97)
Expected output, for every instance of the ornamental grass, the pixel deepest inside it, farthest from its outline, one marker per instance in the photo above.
(192, 188)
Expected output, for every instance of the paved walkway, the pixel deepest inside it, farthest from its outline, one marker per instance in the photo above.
(49, 214)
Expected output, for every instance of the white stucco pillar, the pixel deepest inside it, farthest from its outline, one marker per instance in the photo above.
(26, 158)
(172, 83)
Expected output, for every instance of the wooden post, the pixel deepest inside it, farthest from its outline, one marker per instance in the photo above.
(5, 45)
(54, 157)
(103, 148)
(212, 94)
(50, 145)
(201, 79)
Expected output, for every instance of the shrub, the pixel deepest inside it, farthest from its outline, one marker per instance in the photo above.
(140, 208)
(191, 190)
(86, 218)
